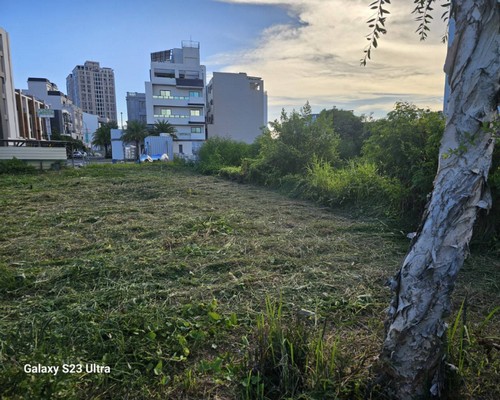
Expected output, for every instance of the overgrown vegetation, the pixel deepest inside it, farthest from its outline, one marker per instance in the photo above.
(192, 287)
(15, 166)
(345, 161)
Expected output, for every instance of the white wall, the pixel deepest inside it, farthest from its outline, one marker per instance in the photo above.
(239, 110)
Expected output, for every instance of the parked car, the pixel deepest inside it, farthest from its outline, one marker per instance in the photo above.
(79, 154)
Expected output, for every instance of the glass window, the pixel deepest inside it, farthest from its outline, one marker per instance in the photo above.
(194, 93)
(195, 113)
(166, 111)
(196, 129)
(165, 93)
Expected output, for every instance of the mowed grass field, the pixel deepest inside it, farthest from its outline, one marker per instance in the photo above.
(153, 282)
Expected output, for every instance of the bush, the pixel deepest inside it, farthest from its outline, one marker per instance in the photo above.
(217, 153)
(259, 171)
(295, 140)
(232, 173)
(357, 185)
(16, 166)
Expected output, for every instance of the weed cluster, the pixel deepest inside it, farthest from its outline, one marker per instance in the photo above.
(15, 166)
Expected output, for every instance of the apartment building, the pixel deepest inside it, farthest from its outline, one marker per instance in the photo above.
(68, 118)
(92, 88)
(176, 93)
(9, 127)
(136, 107)
(32, 126)
(236, 106)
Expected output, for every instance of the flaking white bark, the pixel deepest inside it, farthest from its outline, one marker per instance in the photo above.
(413, 354)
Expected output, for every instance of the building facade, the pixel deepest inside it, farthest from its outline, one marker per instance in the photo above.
(92, 88)
(136, 107)
(236, 106)
(176, 93)
(32, 126)
(9, 127)
(68, 118)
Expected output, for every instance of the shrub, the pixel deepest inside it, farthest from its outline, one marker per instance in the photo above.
(358, 185)
(295, 140)
(259, 171)
(16, 166)
(232, 173)
(218, 152)
(405, 145)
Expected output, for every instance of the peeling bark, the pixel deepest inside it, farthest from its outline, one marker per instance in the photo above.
(413, 350)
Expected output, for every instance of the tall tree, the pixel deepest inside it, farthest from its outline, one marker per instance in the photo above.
(413, 351)
(163, 127)
(136, 132)
(102, 136)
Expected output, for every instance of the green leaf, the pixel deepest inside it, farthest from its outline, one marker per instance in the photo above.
(151, 335)
(158, 369)
(214, 316)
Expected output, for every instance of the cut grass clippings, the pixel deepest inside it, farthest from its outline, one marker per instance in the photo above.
(167, 278)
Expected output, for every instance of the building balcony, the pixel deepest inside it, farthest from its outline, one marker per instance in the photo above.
(190, 136)
(196, 119)
(190, 83)
(174, 119)
(156, 80)
(178, 101)
(199, 101)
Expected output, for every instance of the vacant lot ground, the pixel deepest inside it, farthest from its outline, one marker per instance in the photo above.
(161, 275)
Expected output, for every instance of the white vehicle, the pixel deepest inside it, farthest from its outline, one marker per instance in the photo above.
(79, 154)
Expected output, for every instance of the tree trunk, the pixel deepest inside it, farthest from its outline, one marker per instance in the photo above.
(413, 351)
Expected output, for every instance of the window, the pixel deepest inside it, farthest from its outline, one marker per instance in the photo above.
(166, 112)
(165, 93)
(194, 93)
(196, 129)
(195, 113)
(181, 150)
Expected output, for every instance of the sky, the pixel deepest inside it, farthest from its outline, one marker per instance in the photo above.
(305, 50)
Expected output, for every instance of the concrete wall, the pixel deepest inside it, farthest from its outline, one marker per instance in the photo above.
(40, 157)
(237, 106)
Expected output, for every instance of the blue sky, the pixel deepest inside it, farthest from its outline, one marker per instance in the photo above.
(305, 50)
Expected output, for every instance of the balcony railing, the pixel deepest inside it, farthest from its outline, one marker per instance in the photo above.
(189, 82)
(172, 97)
(198, 100)
(32, 143)
(171, 116)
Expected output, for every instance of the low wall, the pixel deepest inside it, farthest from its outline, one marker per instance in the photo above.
(39, 157)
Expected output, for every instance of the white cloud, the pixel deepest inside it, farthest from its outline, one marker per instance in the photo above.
(317, 58)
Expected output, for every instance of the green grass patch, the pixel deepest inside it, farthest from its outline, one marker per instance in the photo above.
(195, 287)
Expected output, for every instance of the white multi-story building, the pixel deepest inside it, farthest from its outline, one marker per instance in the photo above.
(236, 106)
(9, 126)
(176, 93)
(92, 88)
